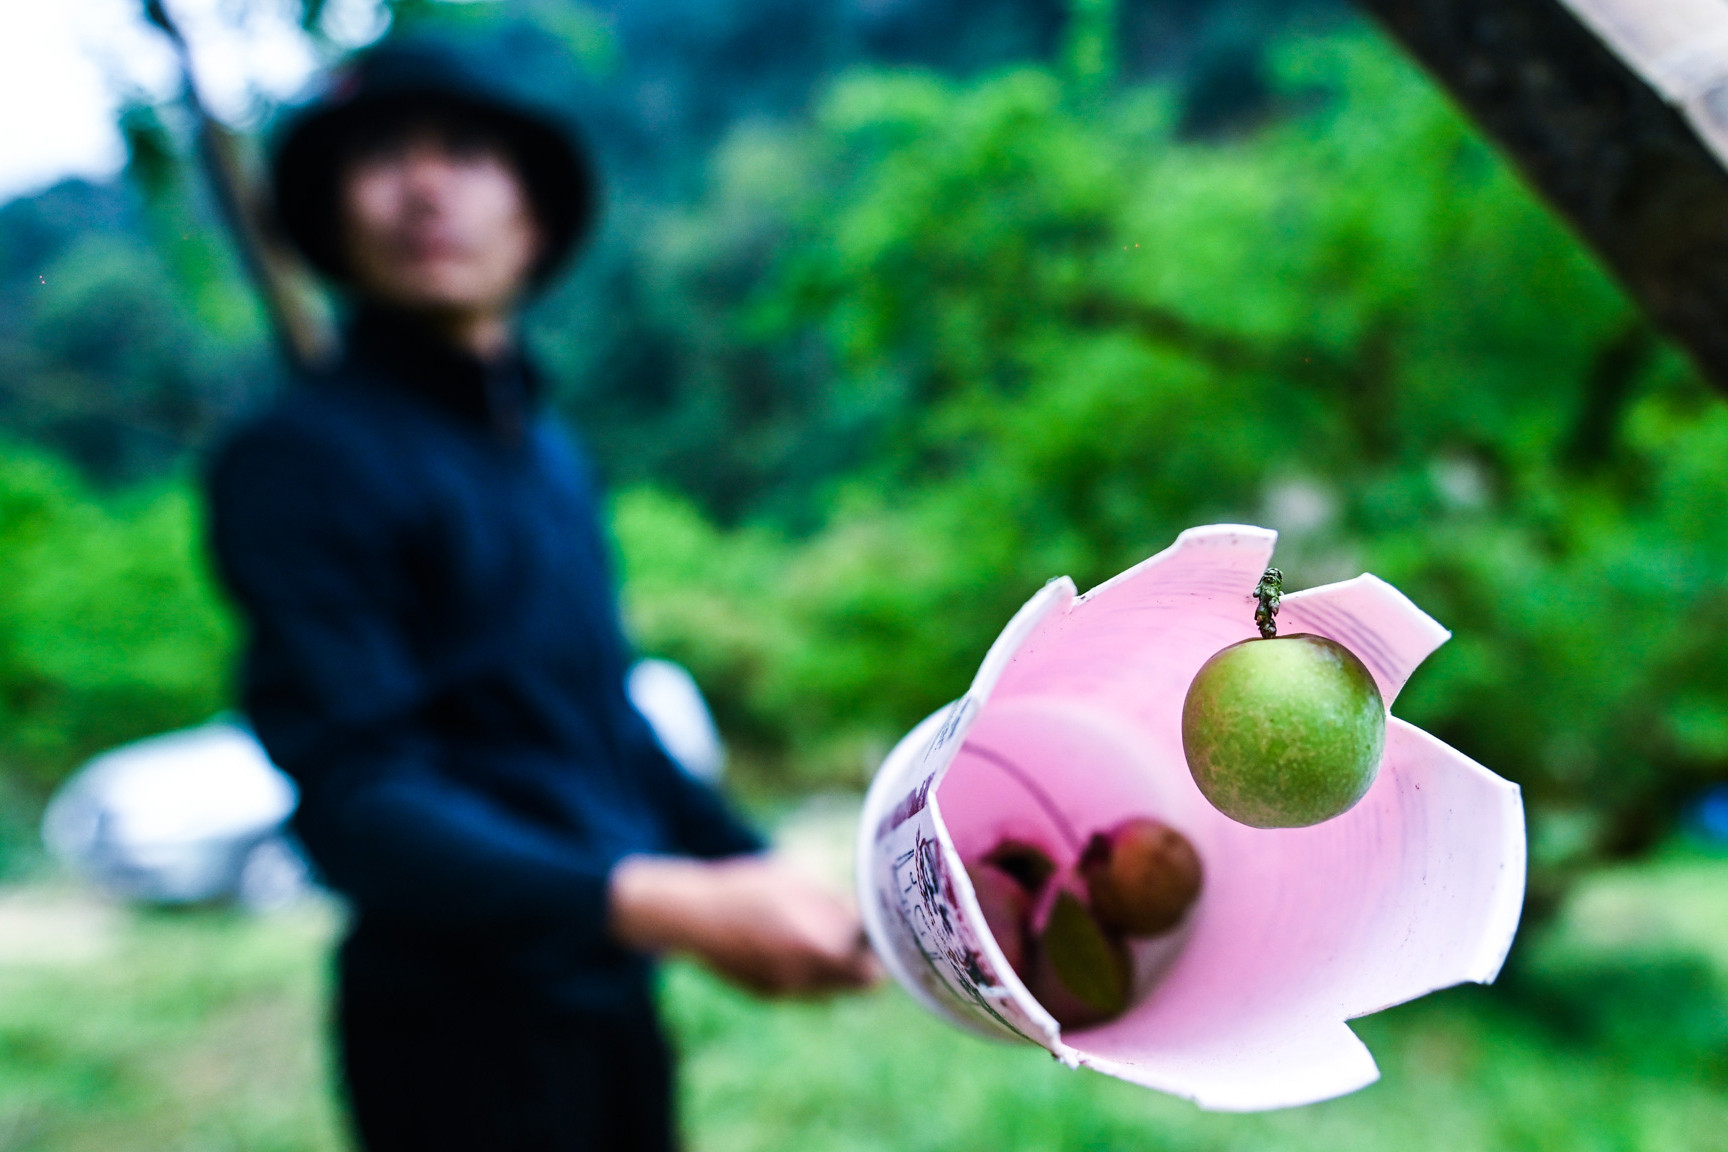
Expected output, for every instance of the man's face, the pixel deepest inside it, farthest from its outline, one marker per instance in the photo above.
(437, 221)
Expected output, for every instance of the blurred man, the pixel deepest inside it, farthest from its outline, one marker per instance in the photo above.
(435, 656)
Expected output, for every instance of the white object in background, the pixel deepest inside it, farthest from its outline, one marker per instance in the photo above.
(667, 696)
(182, 818)
(198, 815)
(1074, 722)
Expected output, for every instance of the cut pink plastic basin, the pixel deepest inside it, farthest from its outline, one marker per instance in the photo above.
(1074, 723)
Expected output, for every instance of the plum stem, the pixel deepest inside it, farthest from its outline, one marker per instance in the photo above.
(1269, 592)
(1023, 778)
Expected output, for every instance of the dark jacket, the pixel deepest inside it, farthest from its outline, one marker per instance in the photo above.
(435, 657)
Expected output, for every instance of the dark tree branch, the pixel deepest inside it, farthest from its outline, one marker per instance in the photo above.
(302, 333)
(1362, 380)
(1618, 161)
(1305, 363)
(1607, 391)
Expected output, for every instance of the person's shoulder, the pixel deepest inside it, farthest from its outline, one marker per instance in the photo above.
(315, 425)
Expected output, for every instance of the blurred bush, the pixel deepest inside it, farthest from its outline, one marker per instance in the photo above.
(1030, 330)
(109, 629)
(908, 357)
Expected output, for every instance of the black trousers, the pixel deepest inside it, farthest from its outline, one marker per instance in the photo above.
(475, 1077)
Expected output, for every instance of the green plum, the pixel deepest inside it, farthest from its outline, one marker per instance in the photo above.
(1081, 972)
(1283, 731)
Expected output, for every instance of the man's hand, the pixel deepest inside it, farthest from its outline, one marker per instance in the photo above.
(752, 919)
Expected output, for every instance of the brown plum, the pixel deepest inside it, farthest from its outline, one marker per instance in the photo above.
(1007, 907)
(1142, 876)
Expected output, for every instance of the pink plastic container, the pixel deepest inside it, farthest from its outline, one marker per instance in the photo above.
(1073, 723)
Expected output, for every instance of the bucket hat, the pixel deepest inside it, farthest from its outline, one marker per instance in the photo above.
(415, 77)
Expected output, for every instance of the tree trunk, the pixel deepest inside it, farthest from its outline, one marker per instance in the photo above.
(1617, 160)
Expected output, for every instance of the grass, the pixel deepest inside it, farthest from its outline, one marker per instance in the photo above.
(165, 1032)
(201, 1031)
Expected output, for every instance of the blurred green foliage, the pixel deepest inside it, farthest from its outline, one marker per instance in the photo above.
(126, 335)
(109, 627)
(1018, 331)
(908, 357)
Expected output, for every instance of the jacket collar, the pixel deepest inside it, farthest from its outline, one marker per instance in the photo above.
(499, 394)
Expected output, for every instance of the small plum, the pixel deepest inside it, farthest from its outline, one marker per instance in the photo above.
(1141, 876)
(1007, 908)
(1007, 881)
(1284, 731)
(1029, 864)
(1081, 973)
